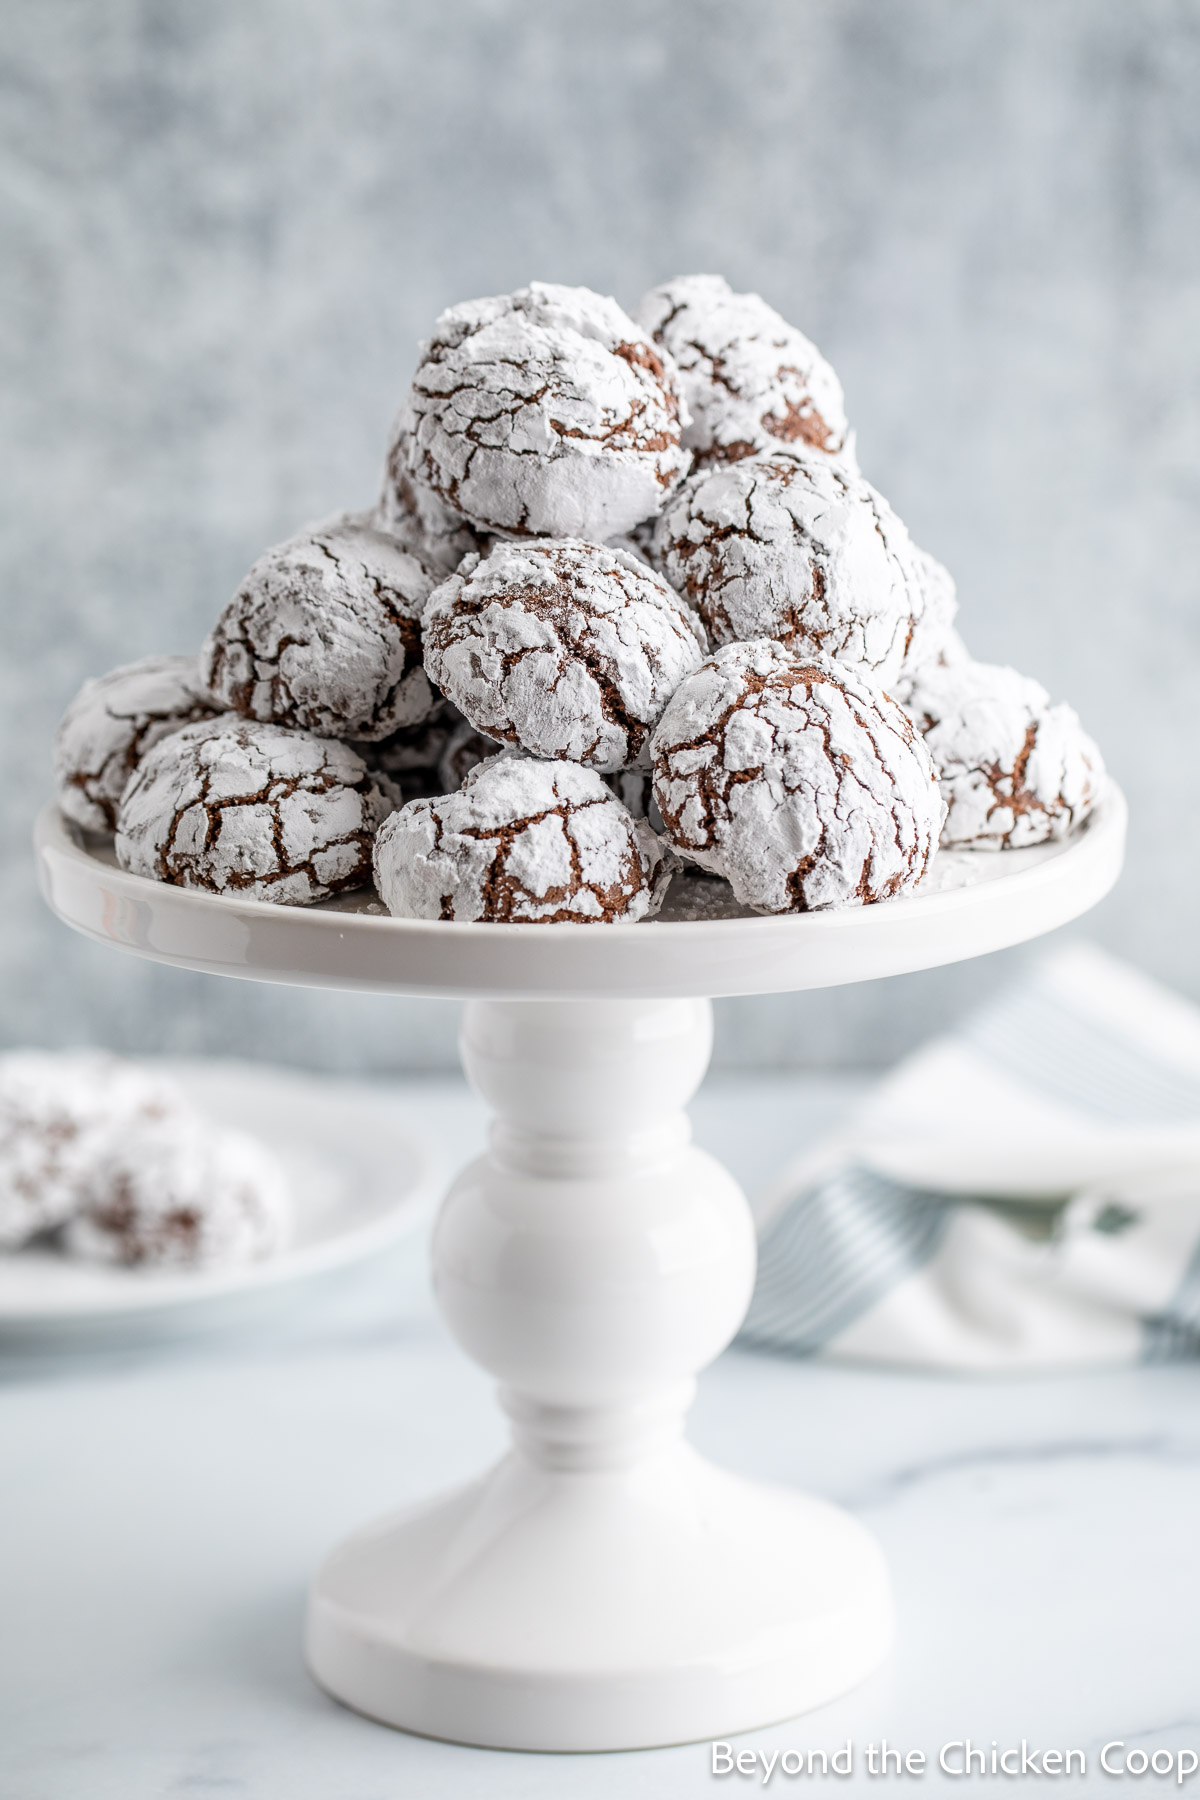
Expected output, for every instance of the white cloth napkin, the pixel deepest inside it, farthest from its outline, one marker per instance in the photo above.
(1023, 1194)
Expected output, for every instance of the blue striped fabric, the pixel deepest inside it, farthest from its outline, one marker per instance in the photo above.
(1175, 1334)
(1077, 1061)
(836, 1249)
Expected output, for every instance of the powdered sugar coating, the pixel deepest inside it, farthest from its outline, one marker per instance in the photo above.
(795, 779)
(112, 721)
(794, 548)
(521, 842)
(750, 380)
(324, 635)
(546, 412)
(57, 1113)
(933, 638)
(181, 1195)
(566, 648)
(417, 517)
(1014, 769)
(235, 806)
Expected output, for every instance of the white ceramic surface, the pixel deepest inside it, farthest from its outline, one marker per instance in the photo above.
(352, 1198)
(161, 1515)
(601, 1588)
(975, 902)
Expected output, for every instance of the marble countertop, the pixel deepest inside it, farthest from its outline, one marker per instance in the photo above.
(163, 1505)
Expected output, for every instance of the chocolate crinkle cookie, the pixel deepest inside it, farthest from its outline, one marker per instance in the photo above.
(565, 648)
(545, 412)
(57, 1113)
(1014, 769)
(181, 1195)
(239, 807)
(933, 638)
(750, 380)
(797, 780)
(112, 721)
(523, 841)
(794, 548)
(417, 517)
(324, 635)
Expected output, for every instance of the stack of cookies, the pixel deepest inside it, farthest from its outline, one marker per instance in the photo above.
(626, 602)
(112, 1164)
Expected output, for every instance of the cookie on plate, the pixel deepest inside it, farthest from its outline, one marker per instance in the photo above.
(522, 842)
(750, 380)
(181, 1195)
(418, 518)
(324, 635)
(547, 412)
(238, 807)
(795, 548)
(57, 1111)
(111, 723)
(1014, 769)
(795, 779)
(565, 648)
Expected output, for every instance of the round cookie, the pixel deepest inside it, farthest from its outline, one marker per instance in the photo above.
(420, 521)
(112, 721)
(181, 1195)
(933, 638)
(239, 807)
(750, 380)
(794, 548)
(56, 1114)
(521, 842)
(1014, 769)
(565, 648)
(324, 635)
(544, 413)
(797, 780)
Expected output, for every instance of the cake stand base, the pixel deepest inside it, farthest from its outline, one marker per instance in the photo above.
(602, 1588)
(552, 1610)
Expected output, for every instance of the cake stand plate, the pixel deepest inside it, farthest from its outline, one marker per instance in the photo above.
(602, 1587)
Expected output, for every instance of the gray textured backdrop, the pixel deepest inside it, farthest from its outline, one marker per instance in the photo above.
(225, 226)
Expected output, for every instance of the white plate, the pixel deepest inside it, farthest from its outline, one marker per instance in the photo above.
(972, 903)
(358, 1183)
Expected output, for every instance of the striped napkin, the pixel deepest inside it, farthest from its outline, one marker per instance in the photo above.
(1023, 1194)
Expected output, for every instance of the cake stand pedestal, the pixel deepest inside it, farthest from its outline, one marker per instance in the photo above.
(603, 1587)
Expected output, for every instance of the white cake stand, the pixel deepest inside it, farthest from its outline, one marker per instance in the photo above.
(602, 1587)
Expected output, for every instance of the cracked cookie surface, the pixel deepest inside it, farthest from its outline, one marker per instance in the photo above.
(565, 648)
(57, 1113)
(547, 412)
(750, 380)
(324, 635)
(794, 548)
(418, 518)
(1014, 769)
(111, 723)
(525, 842)
(181, 1195)
(795, 779)
(933, 638)
(239, 807)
